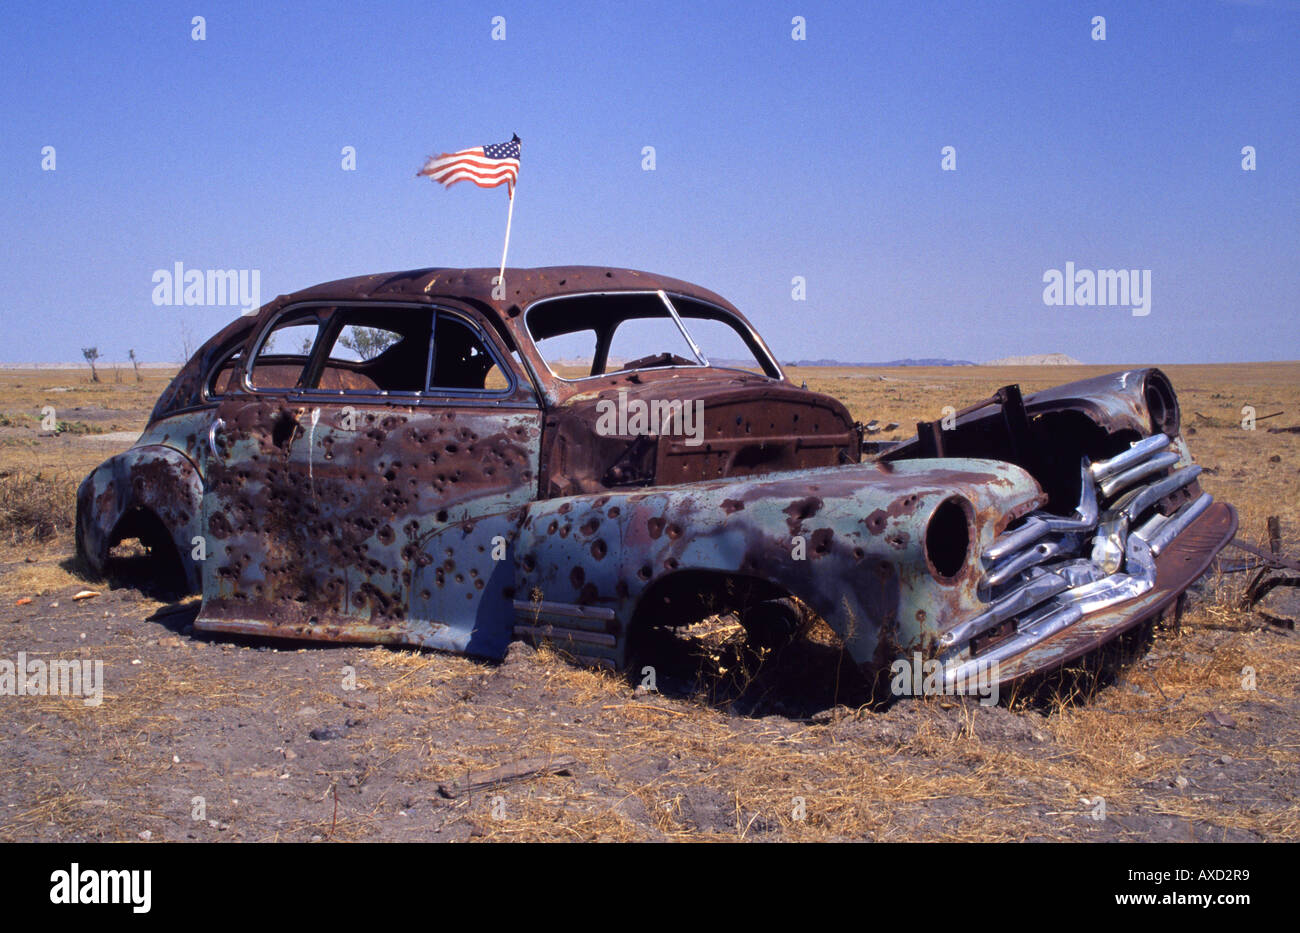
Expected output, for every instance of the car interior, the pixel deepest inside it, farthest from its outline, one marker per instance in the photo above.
(371, 350)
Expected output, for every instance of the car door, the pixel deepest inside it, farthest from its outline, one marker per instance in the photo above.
(376, 497)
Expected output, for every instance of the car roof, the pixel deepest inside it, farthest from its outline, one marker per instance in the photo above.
(523, 286)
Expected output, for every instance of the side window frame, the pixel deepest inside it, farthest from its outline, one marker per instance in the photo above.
(250, 361)
(486, 341)
(224, 355)
(327, 328)
(330, 331)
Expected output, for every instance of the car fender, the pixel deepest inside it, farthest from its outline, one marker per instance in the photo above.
(847, 541)
(153, 477)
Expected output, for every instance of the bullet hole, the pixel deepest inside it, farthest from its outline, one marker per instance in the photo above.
(655, 526)
(590, 527)
(645, 572)
(598, 549)
(821, 542)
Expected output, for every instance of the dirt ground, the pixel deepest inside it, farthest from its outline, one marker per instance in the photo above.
(1180, 734)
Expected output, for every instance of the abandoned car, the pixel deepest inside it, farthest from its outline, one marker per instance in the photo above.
(422, 458)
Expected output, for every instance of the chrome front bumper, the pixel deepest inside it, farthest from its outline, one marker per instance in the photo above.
(1038, 584)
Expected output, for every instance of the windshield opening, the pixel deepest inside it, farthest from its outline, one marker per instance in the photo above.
(592, 335)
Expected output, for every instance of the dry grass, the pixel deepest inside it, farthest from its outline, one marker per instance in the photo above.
(931, 769)
(37, 506)
(40, 470)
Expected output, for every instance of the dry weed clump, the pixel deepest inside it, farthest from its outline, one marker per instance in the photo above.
(37, 506)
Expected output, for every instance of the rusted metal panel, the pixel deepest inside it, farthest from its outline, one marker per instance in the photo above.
(752, 425)
(379, 521)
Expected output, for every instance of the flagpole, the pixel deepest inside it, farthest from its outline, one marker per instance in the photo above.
(506, 246)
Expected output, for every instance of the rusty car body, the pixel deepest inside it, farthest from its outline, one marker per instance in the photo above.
(450, 486)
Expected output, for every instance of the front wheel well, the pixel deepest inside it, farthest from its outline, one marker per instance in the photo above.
(767, 610)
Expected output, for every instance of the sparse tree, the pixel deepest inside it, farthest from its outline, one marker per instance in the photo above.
(135, 363)
(91, 354)
(367, 342)
(187, 342)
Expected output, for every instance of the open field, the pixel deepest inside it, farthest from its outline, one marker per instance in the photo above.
(217, 739)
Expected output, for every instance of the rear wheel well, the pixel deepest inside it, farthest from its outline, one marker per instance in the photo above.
(154, 563)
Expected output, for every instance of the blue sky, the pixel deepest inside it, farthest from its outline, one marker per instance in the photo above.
(775, 158)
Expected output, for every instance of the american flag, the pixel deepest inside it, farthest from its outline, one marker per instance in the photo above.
(486, 166)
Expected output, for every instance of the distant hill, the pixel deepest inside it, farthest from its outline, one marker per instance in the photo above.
(928, 361)
(1041, 359)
